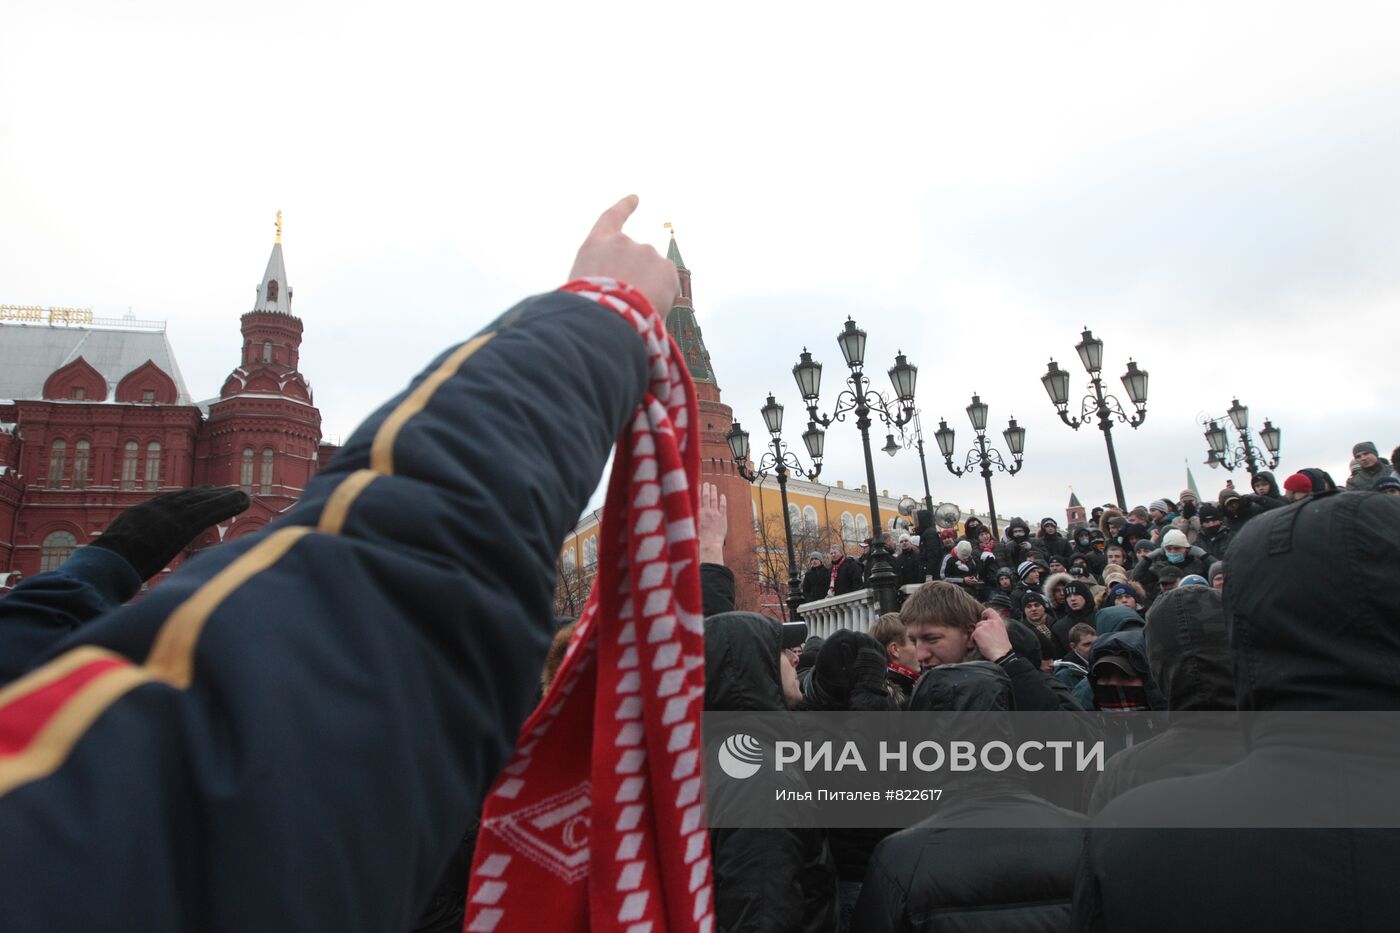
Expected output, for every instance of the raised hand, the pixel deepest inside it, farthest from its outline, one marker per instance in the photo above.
(610, 252)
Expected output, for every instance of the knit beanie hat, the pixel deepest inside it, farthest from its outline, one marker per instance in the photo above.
(1365, 447)
(1175, 538)
(1025, 567)
(964, 550)
(1387, 482)
(1298, 483)
(1194, 579)
(1121, 589)
(1216, 569)
(1208, 512)
(1161, 505)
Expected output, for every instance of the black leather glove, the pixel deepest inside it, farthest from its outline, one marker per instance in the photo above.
(1188, 509)
(151, 534)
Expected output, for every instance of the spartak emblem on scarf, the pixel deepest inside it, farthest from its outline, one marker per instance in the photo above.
(598, 820)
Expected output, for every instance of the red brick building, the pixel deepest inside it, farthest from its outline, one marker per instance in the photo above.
(96, 418)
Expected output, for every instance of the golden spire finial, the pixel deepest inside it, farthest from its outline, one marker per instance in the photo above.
(279, 225)
(668, 226)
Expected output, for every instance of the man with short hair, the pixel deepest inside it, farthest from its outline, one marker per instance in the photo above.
(940, 616)
(1074, 666)
(901, 657)
(846, 575)
(1370, 467)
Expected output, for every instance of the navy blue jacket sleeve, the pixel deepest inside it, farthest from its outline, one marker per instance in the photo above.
(41, 611)
(305, 720)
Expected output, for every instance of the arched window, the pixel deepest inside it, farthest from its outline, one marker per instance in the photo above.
(152, 465)
(809, 520)
(795, 517)
(848, 527)
(267, 351)
(272, 290)
(57, 548)
(129, 465)
(590, 551)
(862, 527)
(570, 560)
(265, 480)
(80, 464)
(755, 514)
(245, 473)
(57, 451)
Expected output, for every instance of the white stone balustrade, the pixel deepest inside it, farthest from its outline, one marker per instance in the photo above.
(856, 611)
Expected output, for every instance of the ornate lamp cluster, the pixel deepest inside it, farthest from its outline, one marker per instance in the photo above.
(1218, 452)
(1097, 402)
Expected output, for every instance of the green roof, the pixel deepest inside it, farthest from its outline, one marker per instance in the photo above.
(1074, 502)
(680, 324)
(673, 253)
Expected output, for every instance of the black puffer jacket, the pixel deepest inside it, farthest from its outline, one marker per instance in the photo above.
(942, 875)
(764, 879)
(1311, 600)
(1189, 653)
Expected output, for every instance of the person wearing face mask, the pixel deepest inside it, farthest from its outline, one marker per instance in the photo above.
(1214, 538)
(1017, 533)
(1175, 553)
(1084, 547)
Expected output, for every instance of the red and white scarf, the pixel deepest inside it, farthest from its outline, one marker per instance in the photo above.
(598, 820)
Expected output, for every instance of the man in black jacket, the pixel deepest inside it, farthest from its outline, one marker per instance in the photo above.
(817, 580)
(765, 879)
(1311, 600)
(941, 873)
(1214, 538)
(846, 575)
(1051, 543)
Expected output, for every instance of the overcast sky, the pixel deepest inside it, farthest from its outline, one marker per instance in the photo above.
(1210, 187)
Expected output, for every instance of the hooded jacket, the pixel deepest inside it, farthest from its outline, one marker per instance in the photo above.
(1311, 599)
(1273, 492)
(1251, 506)
(765, 879)
(1188, 652)
(1008, 553)
(1053, 545)
(1060, 630)
(941, 874)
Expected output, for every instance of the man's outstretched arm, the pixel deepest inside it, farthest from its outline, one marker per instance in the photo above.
(293, 730)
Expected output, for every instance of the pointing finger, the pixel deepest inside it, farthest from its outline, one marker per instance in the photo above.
(612, 219)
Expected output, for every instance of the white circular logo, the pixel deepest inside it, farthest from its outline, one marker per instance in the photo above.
(740, 756)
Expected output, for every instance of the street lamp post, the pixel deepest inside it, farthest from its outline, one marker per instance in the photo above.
(915, 441)
(780, 460)
(983, 455)
(1097, 402)
(863, 401)
(1218, 442)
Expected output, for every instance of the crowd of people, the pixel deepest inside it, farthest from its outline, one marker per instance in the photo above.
(1126, 615)
(303, 729)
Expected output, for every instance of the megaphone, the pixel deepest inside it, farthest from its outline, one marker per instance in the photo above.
(946, 515)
